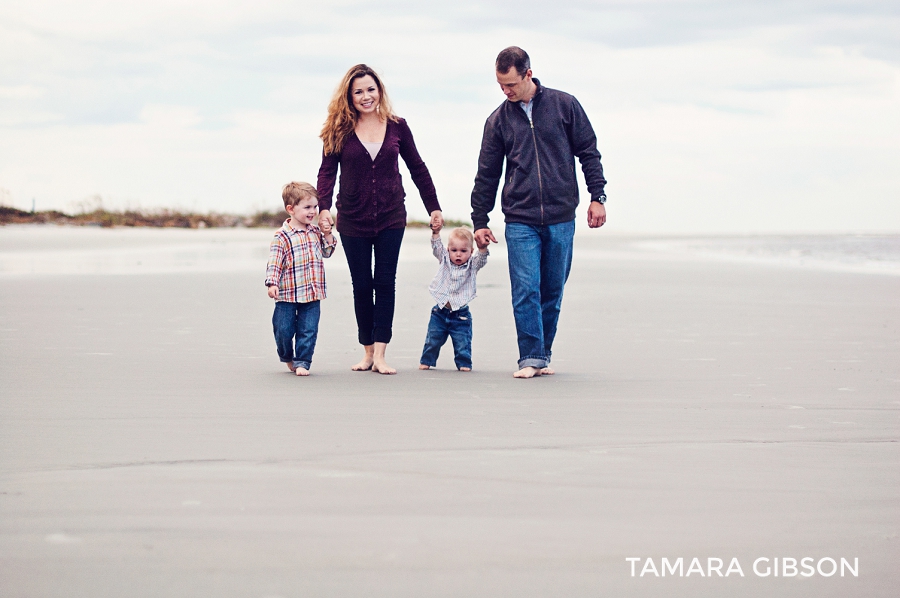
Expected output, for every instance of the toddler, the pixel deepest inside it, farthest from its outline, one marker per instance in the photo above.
(453, 288)
(295, 276)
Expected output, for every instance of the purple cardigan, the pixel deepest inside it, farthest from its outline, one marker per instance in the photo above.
(371, 193)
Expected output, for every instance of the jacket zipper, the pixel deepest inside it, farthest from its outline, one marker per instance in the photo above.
(537, 159)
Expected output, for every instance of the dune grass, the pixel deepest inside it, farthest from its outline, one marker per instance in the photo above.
(163, 218)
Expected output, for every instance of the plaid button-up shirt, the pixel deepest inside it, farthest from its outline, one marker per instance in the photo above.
(454, 284)
(295, 263)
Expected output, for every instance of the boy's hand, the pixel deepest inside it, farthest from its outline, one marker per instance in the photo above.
(325, 218)
(273, 292)
(325, 226)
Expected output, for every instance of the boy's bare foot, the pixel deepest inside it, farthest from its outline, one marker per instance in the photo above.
(547, 371)
(527, 372)
(301, 371)
(422, 366)
(465, 369)
(290, 365)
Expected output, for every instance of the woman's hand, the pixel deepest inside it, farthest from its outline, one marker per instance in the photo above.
(437, 221)
(325, 221)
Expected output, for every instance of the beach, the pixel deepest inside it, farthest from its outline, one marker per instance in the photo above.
(715, 398)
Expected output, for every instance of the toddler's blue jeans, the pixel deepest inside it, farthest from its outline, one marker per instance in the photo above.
(455, 324)
(296, 327)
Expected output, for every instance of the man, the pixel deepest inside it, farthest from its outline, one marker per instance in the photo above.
(539, 132)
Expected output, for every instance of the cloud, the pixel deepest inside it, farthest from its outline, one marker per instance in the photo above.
(708, 113)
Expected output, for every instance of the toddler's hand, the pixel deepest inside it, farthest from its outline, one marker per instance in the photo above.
(273, 292)
(325, 227)
(437, 221)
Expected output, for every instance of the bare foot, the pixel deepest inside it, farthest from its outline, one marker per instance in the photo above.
(301, 371)
(381, 367)
(422, 366)
(547, 371)
(290, 365)
(363, 366)
(366, 364)
(527, 372)
(465, 369)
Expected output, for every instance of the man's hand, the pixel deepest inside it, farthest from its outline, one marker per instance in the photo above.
(484, 237)
(325, 221)
(437, 221)
(596, 215)
(273, 292)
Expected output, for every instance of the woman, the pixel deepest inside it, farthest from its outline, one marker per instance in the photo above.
(363, 138)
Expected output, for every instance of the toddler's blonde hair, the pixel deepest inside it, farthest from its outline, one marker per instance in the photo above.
(463, 234)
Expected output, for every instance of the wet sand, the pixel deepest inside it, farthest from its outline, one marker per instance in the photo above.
(152, 445)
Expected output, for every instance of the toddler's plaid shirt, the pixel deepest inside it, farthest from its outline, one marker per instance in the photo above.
(295, 263)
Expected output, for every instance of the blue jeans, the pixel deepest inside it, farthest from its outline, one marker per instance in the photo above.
(455, 324)
(540, 258)
(298, 321)
(374, 289)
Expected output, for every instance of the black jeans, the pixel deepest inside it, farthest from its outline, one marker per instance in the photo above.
(374, 291)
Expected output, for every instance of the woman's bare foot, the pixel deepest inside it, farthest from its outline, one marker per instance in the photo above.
(547, 371)
(379, 365)
(422, 366)
(527, 372)
(366, 364)
(465, 369)
(301, 371)
(290, 365)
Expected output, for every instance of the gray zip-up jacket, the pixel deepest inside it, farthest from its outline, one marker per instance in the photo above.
(539, 186)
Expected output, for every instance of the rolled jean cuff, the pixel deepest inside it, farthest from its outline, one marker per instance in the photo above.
(533, 362)
(302, 364)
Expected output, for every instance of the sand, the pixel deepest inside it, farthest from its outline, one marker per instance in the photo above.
(152, 445)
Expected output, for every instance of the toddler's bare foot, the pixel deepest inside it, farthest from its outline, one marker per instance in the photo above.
(290, 365)
(464, 369)
(547, 371)
(381, 367)
(527, 372)
(422, 366)
(301, 371)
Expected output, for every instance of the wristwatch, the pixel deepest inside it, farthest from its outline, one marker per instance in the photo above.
(600, 198)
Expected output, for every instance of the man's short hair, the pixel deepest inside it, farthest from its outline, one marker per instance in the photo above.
(513, 56)
(293, 193)
(463, 234)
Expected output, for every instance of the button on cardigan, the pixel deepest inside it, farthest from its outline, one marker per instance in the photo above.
(371, 195)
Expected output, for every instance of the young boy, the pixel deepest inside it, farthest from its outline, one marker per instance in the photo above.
(453, 288)
(295, 276)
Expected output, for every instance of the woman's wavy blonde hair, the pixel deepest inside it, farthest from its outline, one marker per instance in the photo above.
(342, 116)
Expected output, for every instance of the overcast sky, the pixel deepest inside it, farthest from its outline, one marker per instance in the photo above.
(711, 116)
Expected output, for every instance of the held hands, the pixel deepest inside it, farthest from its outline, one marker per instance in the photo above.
(273, 292)
(484, 237)
(596, 215)
(437, 221)
(326, 221)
